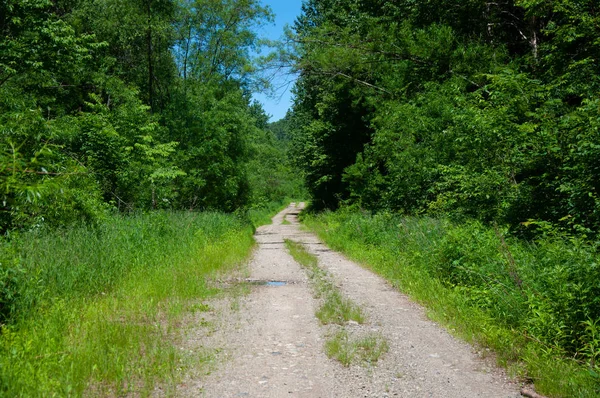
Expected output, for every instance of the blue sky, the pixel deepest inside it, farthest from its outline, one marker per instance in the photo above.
(285, 12)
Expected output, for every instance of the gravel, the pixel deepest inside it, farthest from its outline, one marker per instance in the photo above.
(272, 345)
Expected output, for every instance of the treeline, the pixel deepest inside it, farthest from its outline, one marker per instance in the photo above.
(115, 115)
(460, 141)
(138, 104)
(476, 109)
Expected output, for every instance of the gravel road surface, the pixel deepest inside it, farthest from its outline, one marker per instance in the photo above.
(273, 343)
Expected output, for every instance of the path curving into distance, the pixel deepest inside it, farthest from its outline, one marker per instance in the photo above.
(274, 344)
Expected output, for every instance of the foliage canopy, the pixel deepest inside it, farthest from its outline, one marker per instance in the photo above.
(470, 108)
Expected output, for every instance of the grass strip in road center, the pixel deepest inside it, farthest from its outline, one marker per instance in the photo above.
(335, 308)
(343, 346)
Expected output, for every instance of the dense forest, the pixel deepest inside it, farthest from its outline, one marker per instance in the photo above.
(133, 166)
(471, 108)
(132, 105)
(453, 145)
(458, 143)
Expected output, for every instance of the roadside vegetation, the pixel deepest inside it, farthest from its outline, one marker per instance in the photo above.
(98, 311)
(344, 344)
(534, 303)
(458, 145)
(461, 141)
(125, 128)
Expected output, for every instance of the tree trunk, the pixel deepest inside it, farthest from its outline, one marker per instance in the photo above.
(149, 49)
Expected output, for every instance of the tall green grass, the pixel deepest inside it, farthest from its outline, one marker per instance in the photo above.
(537, 304)
(97, 311)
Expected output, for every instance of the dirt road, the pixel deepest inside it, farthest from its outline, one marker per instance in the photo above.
(274, 343)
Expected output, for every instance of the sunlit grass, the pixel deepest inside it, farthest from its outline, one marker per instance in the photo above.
(339, 310)
(348, 349)
(484, 290)
(99, 311)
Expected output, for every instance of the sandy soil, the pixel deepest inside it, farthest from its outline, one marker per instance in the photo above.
(273, 344)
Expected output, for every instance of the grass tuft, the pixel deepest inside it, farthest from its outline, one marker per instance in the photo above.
(348, 350)
(336, 309)
(301, 255)
(339, 310)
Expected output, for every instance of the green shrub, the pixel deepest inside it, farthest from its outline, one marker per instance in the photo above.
(537, 302)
